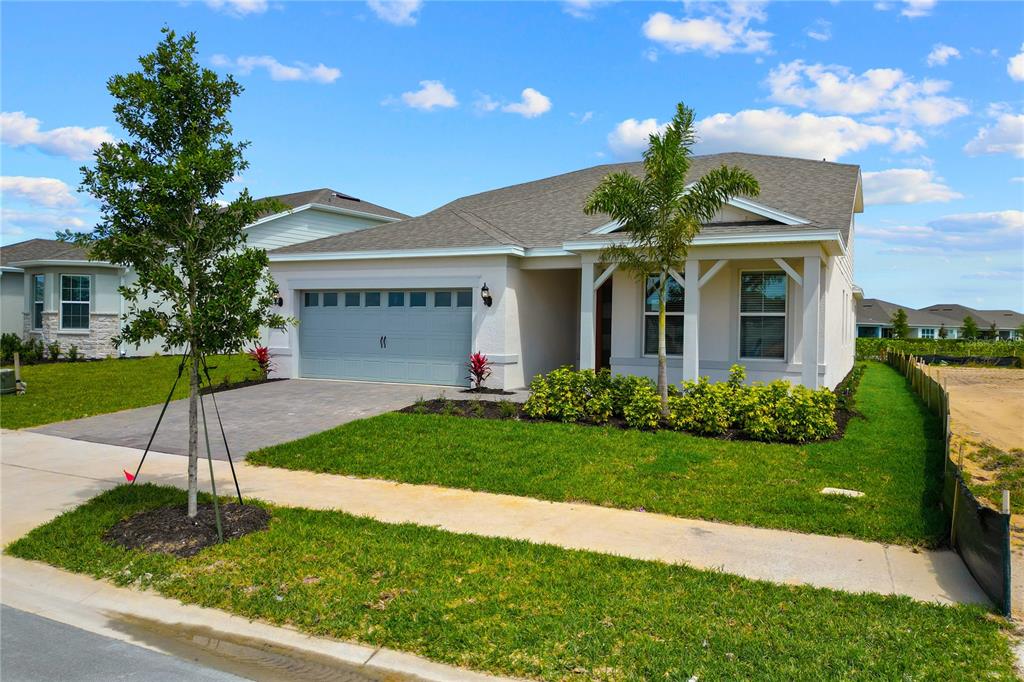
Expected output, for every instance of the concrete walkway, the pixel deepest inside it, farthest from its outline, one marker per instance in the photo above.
(44, 475)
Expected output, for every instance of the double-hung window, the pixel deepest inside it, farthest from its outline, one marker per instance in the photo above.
(38, 294)
(75, 294)
(763, 315)
(674, 304)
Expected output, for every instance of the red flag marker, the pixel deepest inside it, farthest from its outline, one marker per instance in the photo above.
(128, 476)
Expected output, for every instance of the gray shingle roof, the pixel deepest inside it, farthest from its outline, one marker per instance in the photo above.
(40, 249)
(329, 197)
(549, 212)
(1004, 319)
(877, 311)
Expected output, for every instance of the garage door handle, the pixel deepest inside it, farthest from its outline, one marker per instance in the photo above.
(385, 342)
(380, 341)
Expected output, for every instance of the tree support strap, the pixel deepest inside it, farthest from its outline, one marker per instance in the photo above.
(181, 368)
(223, 435)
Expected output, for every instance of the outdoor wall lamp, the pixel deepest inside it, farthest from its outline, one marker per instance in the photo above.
(485, 294)
(278, 299)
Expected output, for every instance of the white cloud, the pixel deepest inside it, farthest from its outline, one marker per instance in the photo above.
(486, 103)
(820, 30)
(723, 28)
(912, 9)
(585, 117)
(431, 95)
(941, 54)
(1015, 67)
(1018, 179)
(906, 186)
(771, 131)
(397, 12)
(1005, 136)
(277, 71)
(992, 231)
(19, 130)
(888, 93)
(582, 9)
(49, 192)
(532, 105)
(238, 8)
(918, 8)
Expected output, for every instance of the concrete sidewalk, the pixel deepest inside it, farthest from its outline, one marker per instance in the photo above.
(44, 475)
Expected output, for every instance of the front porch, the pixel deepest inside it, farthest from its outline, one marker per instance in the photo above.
(764, 308)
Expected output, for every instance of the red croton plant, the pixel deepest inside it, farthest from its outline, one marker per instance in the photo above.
(261, 354)
(479, 369)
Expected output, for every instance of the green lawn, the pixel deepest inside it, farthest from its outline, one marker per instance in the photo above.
(893, 455)
(512, 607)
(70, 390)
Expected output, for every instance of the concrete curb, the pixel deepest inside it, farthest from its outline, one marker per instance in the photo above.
(104, 609)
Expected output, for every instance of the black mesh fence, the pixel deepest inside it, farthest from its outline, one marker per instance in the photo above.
(980, 534)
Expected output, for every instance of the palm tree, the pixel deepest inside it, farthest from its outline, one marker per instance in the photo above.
(663, 211)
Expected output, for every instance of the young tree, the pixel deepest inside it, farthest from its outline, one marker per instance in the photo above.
(969, 330)
(198, 287)
(900, 328)
(662, 211)
(992, 333)
(943, 332)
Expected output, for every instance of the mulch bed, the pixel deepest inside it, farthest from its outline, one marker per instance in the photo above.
(220, 388)
(487, 391)
(168, 530)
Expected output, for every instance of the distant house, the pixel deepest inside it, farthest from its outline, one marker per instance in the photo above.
(874, 320)
(50, 290)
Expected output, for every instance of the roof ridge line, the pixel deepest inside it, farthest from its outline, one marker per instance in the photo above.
(486, 226)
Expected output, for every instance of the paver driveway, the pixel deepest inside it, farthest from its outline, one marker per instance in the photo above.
(254, 417)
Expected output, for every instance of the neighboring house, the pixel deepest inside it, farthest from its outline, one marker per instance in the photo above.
(874, 320)
(516, 273)
(52, 291)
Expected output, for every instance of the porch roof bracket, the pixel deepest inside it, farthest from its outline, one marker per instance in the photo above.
(712, 272)
(604, 276)
(677, 277)
(790, 271)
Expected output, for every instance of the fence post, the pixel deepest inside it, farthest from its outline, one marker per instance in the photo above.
(1007, 597)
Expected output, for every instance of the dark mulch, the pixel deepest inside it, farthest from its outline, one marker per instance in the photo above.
(168, 530)
(220, 388)
(487, 391)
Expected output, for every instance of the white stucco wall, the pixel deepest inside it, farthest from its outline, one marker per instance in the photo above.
(544, 320)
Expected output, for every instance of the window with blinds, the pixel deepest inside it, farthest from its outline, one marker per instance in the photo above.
(674, 304)
(763, 315)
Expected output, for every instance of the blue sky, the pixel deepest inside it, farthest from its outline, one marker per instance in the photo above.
(413, 104)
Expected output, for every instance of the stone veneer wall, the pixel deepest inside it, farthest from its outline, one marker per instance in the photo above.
(96, 343)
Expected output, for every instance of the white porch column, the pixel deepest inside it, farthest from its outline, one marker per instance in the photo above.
(691, 320)
(588, 359)
(811, 296)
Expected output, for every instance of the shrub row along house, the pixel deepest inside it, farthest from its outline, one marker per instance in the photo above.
(516, 273)
(943, 320)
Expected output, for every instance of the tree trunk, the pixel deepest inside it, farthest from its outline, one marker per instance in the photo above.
(662, 353)
(193, 436)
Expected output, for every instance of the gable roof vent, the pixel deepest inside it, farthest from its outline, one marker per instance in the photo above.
(346, 196)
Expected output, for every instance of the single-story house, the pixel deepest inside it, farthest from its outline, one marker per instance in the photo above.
(516, 273)
(50, 290)
(874, 320)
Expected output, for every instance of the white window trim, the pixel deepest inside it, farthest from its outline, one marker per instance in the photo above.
(740, 315)
(644, 314)
(35, 302)
(61, 302)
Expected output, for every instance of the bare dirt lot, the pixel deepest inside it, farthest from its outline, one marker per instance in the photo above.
(986, 404)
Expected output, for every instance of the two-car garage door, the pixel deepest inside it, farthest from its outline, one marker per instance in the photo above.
(411, 336)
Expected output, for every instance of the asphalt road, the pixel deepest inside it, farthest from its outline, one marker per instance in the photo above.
(35, 649)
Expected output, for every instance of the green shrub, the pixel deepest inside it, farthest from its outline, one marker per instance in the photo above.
(755, 410)
(567, 395)
(73, 353)
(9, 345)
(622, 387)
(643, 411)
(32, 351)
(847, 388)
(871, 348)
(508, 409)
(804, 414)
(53, 350)
(702, 408)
